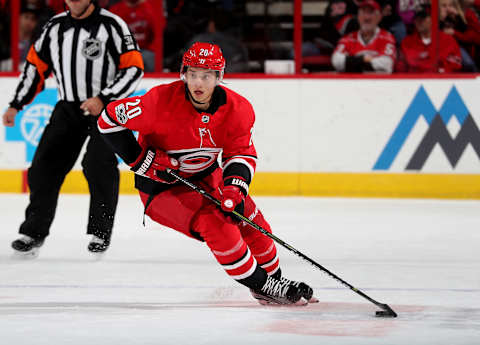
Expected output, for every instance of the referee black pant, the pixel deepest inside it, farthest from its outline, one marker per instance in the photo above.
(57, 152)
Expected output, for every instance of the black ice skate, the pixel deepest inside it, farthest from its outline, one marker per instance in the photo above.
(27, 246)
(98, 245)
(305, 291)
(278, 291)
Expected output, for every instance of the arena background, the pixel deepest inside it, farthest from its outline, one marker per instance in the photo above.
(377, 136)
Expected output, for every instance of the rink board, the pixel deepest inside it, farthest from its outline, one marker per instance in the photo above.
(380, 137)
(442, 186)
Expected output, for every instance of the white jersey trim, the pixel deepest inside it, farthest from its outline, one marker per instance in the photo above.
(111, 130)
(268, 251)
(235, 248)
(246, 274)
(270, 263)
(240, 263)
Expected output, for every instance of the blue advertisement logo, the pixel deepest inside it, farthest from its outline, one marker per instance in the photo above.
(437, 134)
(31, 121)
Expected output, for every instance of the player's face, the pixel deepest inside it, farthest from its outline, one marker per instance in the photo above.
(368, 18)
(201, 83)
(78, 8)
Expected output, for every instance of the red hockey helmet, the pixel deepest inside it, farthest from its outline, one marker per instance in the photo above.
(204, 55)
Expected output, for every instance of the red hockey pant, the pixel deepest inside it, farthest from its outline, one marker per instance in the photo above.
(237, 247)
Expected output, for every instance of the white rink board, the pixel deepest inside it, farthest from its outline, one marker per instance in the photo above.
(325, 125)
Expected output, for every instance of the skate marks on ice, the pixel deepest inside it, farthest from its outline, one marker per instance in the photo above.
(319, 319)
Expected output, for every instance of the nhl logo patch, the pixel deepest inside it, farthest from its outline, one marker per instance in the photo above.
(121, 113)
(92, 48)
(205, 118)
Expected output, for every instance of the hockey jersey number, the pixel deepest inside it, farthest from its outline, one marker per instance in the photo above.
(127, 111)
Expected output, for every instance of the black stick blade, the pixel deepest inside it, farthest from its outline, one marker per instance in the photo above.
(386, 312)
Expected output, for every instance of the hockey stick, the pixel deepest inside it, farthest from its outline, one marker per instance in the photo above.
(386, 312)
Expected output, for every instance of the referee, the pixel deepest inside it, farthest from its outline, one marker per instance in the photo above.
(94, 59)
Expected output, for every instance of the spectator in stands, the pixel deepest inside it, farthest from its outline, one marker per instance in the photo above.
(44, 13)
(406, 11)
(453, 21)
(368, 49)
(339, 20)
(234, 51)
(471, 37)
(140, 18)
(56, 5)
(185, 18)
(391, 20)
(417, 54)
(4, 32)
(28, 22)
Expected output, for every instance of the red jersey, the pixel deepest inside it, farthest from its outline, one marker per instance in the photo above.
(381, 47)
(472, 34)
(167, 120)
(140, 20)
(57, 5)
(417, 56)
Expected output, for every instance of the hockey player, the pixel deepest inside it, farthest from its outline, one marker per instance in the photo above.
(186, 126)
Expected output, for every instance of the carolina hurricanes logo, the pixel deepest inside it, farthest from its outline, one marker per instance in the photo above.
(195, 161)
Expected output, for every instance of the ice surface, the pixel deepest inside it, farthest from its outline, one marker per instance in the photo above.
(155, 286)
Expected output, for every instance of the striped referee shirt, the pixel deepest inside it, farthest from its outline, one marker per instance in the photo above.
(94, 56)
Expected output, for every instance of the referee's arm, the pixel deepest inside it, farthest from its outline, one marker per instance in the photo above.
(32, 79)
(130, 65)
(129, 74)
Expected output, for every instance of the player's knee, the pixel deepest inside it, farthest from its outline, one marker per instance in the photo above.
(215, 228)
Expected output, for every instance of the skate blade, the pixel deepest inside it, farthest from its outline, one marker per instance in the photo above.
(30, 255)
(300, 303)
(97, 256)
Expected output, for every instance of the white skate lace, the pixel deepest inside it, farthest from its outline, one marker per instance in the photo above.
(274, 287)
(96, 239)
(290, 282)
(27, 239)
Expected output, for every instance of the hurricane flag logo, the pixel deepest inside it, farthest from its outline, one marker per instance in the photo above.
(437, 132)
(31, 121)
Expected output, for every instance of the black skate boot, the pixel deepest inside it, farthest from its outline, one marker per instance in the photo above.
(305, 290)
(276, 291)
(98, 245)
(27, 246)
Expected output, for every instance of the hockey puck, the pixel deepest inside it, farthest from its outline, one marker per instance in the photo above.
(382, 313)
